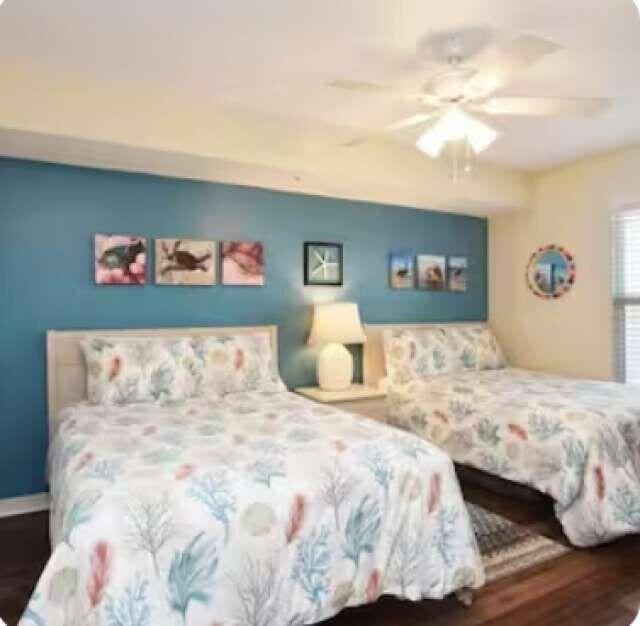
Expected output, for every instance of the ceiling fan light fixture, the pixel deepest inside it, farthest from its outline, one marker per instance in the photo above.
(431, 142)
(456, 125)
(479, 135)
(453, 124)
(450, 127)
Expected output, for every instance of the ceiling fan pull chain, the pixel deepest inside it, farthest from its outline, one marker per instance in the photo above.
(469, 155)
(454, 162)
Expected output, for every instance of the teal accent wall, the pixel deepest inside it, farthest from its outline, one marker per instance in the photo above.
(48, 214)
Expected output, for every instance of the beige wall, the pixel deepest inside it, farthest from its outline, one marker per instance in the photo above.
(571, 206)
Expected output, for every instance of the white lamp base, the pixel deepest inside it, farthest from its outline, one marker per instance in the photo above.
(334, 367)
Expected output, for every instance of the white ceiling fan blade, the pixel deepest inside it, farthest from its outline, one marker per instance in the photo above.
(505, 60)
(408, 122)
(352, 143)
(546, 106)
(349, 84)
(413, 120)
(357, 85)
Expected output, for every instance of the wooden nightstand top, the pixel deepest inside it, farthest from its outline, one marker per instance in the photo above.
(355, 392)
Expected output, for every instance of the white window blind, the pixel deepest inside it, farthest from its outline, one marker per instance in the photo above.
(626, 293)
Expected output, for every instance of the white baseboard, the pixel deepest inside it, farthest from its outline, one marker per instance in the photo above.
(24, 504)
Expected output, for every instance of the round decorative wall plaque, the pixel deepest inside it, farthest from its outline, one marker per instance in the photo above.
(551, 271)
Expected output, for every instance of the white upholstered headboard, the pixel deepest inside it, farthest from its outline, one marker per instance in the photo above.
(374, 367)
(66, 371)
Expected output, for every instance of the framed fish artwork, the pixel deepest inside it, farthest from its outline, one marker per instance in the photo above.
(185, 262)
(120, 260)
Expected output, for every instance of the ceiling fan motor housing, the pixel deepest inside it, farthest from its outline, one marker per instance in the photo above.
(449, 86)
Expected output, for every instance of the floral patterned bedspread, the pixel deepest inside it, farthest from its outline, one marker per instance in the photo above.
(576, 440)
(260, 509)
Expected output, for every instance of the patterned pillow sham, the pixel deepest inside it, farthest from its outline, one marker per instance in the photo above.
(474, 349)
(425, 352)
(126, 371)
(416, 353)
(490, 354)
(233, 363)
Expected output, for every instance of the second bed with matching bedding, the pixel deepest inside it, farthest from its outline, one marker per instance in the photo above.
(575, 440)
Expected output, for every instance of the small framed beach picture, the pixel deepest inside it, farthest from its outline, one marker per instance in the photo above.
(431, 272)
(401, 271)
(185, 262)
(120, 260)
(457, 273)
(322, 263)
(243, 263)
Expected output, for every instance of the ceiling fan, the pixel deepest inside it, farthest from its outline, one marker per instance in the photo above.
(479, 64)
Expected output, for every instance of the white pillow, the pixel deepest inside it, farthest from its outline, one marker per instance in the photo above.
(232, 363)
(125, 371)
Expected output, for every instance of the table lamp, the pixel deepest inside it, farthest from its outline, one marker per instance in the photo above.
(335, 324)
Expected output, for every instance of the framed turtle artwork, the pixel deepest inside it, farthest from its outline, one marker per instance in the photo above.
(185, 262)
(120, 260)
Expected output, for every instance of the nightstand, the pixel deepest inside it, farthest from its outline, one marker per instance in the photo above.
(360, 399)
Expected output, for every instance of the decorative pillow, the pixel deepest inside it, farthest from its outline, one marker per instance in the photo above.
(232, 363)
(490, 354)
(463, 343)
(125, 371)
(416, 353)
(474, 348)
(424, 352)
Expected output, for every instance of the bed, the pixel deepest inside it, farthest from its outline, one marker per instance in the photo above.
(577, 441)
(257, 508)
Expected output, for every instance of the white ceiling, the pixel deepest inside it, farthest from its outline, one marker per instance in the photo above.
(139, 65)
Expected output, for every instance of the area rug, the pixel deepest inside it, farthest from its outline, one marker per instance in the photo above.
(509, 548)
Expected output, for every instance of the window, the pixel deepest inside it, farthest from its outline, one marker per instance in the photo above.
(626, 293)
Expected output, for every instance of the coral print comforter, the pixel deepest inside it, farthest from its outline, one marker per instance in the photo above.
(259, 509)
(578, 441)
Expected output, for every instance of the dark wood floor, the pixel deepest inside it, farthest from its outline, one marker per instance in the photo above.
(24, 549)
(599, 586)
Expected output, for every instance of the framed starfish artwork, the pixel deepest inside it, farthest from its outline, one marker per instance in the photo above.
(322, 263)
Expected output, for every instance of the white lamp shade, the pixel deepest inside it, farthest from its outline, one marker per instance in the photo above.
(336, 322)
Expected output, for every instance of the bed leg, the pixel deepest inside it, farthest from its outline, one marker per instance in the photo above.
(465, 596)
